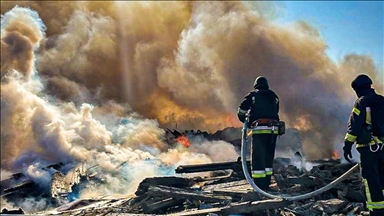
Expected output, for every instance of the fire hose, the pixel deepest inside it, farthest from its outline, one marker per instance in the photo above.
(286, 197)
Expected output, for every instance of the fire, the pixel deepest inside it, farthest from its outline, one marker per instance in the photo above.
(232, 121)
(335, 155)
(183, 140)
(229, 120)
(303, 123)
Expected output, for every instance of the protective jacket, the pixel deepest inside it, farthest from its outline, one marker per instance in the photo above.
(263, 103)
(358, 125)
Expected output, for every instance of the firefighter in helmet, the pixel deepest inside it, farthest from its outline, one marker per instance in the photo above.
(368, 145)
(262, 105)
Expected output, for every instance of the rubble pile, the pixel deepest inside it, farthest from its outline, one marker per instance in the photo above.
(227, 192)
(218, 189)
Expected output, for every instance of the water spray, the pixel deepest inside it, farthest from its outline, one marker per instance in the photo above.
(285, 196)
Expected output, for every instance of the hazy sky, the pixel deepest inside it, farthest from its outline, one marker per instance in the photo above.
(346, 26)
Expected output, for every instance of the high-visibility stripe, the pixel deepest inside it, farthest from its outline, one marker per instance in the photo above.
(375, 205)
(356, 111)
(268, 171)
(376, 139)
(258, 174)
(264, 132)
(350, 137)
(368, 115)
(241, 111)
(258, 171)
(264, 128)
(367, 192)
(369, 121)
(373, 142)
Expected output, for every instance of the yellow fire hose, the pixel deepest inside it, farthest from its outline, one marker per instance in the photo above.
(286, 197)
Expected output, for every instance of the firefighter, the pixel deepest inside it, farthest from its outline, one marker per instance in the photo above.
(262, 105)
(369, 146)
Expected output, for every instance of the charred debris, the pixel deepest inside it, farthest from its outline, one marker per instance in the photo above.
(224, 192)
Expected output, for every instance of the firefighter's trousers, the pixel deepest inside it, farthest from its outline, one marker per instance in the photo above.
(263, 153)
(372, 171)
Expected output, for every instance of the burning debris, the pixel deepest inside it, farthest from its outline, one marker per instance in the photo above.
(220, 190)
(18, 211)
(290, 142)
(220, 194)
(60, 191)
(68, 181)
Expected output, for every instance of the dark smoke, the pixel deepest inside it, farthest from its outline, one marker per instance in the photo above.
(189, 64)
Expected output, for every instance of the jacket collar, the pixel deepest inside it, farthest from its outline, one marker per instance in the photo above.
(365, 92)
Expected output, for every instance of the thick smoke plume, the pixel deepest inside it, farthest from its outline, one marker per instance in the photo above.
(94, 82)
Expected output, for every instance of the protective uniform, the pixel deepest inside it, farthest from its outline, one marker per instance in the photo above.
(263, 107)
(369, 146)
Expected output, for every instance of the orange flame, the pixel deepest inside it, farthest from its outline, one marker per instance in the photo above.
(335, 155)
(183, 140)
(228, 120)
(231, 121)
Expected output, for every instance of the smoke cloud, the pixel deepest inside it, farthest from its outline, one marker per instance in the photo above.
(21, 32)
(94, 83)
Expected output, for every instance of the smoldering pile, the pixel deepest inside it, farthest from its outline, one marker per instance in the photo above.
(227, 192)
(199, 189)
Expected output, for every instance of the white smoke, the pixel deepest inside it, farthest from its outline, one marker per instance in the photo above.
(46, 130)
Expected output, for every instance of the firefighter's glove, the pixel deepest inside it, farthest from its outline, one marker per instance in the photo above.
(348, 151)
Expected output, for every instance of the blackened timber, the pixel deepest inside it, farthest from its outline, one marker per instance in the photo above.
(235, 194)
(178, 193)
(229, 192)
(11, 181)
(245, 207)
(340, 169)
(303, 181)
(228, 185)
(165, 181)
(250, 207)
(235, 165)
(280, 180)
(23, 185)
(175, 133)
(161, 205)
(13, 211)
(202, 212)
(351, 194)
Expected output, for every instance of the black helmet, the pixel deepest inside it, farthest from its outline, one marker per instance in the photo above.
(362, 81)
(261, 82)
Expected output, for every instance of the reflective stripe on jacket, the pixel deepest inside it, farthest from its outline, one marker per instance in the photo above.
(359, 120)
(375, 140)
(265, 130)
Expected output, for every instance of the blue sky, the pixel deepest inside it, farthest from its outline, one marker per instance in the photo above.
(346, 26)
